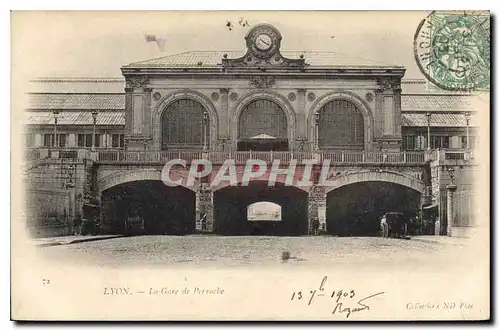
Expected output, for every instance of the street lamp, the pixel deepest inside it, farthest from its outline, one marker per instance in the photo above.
(205, 121)
(428, 115)
(94, 119)
(467, 121)
(316, 131)
(56, 114)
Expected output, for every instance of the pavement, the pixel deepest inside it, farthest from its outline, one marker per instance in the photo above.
(250, 251)
(66, 240)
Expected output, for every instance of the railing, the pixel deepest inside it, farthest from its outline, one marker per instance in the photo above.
(268, 157)
(241, 157)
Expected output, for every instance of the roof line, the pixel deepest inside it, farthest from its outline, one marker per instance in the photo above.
(161, 57)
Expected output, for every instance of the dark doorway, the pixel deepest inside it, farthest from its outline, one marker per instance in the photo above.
(165, 210)
(231, 210)
(355, 209)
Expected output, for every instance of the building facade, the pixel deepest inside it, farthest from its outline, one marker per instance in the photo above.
(391, 143)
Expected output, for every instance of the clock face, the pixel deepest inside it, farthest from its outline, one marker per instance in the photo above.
(263, 42)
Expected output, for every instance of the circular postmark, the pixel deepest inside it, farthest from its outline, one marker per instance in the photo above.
(452, 50)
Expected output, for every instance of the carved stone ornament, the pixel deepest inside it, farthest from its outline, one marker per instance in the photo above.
(262, 81)
(137, 81)
(234, 96)
(388, 83)
(369, 97)
(215, 96)
(292, 96)
(311, 96)
(156, 96)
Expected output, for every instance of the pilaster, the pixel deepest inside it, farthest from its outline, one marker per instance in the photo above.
(317, 208)
(224, 114)
(301, 114)
(204, 209)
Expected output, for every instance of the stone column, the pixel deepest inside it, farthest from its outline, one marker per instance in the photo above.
(204, 209)
(317, 208)
(450, 189)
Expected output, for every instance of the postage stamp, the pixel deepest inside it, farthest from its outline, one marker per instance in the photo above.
(452, 49)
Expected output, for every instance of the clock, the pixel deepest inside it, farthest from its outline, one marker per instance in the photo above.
(263, 42)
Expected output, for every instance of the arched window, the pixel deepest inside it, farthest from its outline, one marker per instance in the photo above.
(262, 126)
(264, 211)
(262, 117)
(182, 125)
(341, 126)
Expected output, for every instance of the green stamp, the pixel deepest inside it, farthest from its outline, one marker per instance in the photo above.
(452, 49)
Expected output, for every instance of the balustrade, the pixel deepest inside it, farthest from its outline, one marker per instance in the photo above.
(241, 157)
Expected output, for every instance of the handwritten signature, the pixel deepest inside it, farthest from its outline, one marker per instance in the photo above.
(361, 306)
(342, 297)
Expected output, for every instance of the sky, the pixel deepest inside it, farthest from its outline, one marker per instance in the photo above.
(97, 44)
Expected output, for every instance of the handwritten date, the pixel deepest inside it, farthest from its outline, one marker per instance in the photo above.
(343, 298)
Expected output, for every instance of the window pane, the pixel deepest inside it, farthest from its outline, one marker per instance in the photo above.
(182, 123)
(114, 140)
(262, 117)
(47, 140)
(341, 125)
(122, 140)
(88, 140)
(62, 140)
(81, 140)
(97, 140)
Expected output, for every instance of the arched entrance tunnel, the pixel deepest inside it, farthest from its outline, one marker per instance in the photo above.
(355, 209)
(232, 217)
(165, 210)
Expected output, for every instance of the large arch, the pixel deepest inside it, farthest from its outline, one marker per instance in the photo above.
(280, 180)
(355, 209)
(231, 207)
(125, 176)
(357, 101)
(377, 176)
(264, 95)
(172, 97)
(163, 209)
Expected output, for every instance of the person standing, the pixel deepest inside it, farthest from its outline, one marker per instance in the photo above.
(384, 227)
(315, 225)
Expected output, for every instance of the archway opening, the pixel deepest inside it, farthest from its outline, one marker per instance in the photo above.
(232, 204)
(165, 210)
(356, 209)
(341, 126)
(262, 126)
(185, 124)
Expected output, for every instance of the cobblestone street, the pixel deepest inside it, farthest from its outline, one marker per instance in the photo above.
(219, 251)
